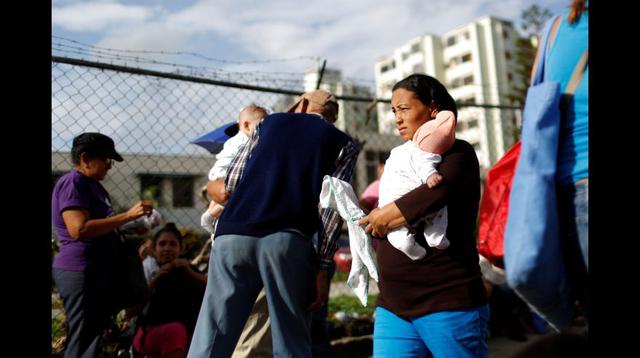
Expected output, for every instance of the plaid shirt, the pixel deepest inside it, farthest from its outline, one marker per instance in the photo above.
(331, 220)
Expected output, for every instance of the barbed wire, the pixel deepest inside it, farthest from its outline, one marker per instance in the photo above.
(66, 47)
(187, 53)
(105, 55)
(250, 77)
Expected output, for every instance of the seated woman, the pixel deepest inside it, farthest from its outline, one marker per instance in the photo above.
(166, 325)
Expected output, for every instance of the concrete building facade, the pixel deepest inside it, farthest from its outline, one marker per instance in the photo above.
(353, 120)
(173, 182)
(477, 64)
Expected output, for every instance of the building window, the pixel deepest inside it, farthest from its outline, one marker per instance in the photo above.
(507, 54)
(415, 47)
(451, 41)
(469, 100)
(456, 82)
(182, 192)
(505, 34)
(467, 80)
(466, 35)
(151, 188)
(472, 123)
(388, 66)
(418, 68)
(509, 76)
(466, 58)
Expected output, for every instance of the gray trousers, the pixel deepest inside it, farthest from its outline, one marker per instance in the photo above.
(85, 299)
(239, 266)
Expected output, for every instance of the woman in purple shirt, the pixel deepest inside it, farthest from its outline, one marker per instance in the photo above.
(85, 225)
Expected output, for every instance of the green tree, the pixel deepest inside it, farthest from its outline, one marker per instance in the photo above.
(533, 19)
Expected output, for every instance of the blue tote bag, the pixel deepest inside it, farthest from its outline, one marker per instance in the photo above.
(533, 256)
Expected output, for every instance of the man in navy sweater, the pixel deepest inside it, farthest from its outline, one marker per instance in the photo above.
(263, 237)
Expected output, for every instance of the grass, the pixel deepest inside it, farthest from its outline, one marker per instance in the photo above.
(57, 327)
(57, 322)
(340, 276)
(351, 304)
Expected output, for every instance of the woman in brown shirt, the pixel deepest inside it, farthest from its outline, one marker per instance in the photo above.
(436, 305)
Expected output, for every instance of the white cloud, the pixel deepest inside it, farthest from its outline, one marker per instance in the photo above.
(156, 36)
(350, 35)
(156, 115)
(98, 16)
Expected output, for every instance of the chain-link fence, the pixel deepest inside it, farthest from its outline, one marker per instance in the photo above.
(154, 116)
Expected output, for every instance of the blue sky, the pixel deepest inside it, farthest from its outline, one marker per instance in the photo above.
(350, 35)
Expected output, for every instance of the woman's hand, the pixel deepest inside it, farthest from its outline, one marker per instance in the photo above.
(140, 208)
(187, 266)
(381, 220)
(164, 269)
(182, 263)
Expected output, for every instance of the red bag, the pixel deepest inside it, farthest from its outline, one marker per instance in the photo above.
(494, 207)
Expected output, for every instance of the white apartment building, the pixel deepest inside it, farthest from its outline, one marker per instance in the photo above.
(477, 64)
(352, 119)
(352, 115)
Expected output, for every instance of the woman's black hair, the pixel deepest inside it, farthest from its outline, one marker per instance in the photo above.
(170, 228)
(428, 90)
(75, 155)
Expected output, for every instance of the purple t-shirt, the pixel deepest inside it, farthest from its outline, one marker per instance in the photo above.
(76, 190)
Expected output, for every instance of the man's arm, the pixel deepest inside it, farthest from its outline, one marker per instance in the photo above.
(217, 191)
(332, 223)
(331, 220)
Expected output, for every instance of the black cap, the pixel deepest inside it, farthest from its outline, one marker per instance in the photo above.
(96, 144)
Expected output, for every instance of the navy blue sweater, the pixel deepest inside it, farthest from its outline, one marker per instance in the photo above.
(282, 180)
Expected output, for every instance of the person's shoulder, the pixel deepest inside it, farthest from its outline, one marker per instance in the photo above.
(348, 138)
(282, 120)
(461, 145)
(71, 179)
(462, 150)
(283, 116)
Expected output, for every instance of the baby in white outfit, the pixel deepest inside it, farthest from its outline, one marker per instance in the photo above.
(410, 165)
(249, 118)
